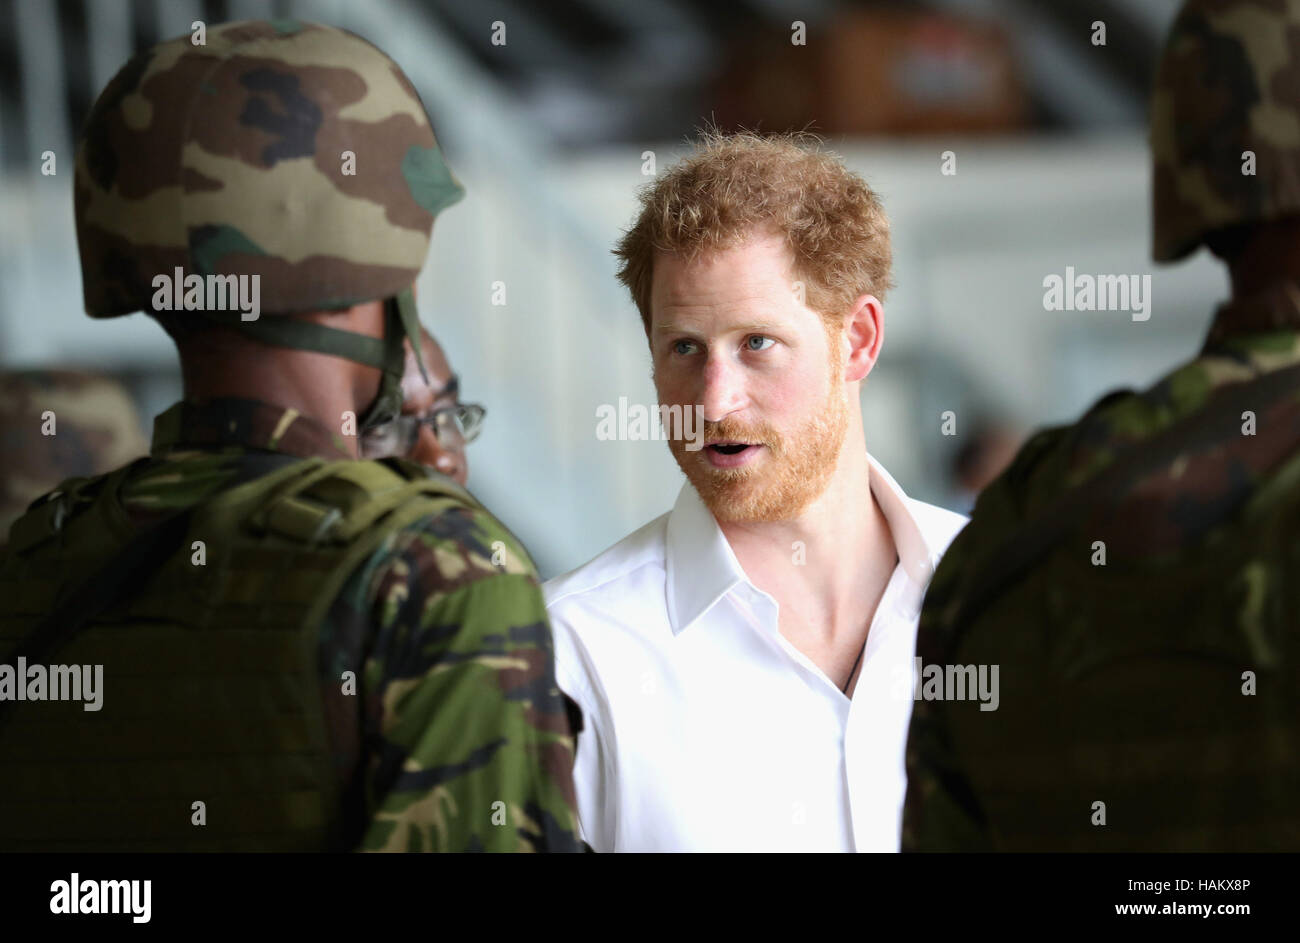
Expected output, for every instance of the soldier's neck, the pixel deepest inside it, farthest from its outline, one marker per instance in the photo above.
(219, 361)
(318, 386)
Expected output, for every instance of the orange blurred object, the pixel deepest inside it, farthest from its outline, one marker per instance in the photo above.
(876, 72)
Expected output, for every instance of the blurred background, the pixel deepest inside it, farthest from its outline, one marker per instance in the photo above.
(553, 131)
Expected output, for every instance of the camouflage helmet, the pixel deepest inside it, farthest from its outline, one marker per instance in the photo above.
(1225, 121)
(293, 151)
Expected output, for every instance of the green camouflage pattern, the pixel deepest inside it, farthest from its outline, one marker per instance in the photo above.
(1122, 683)
(1228, 83)
(95, 428)
(457, 737)
(230, 159)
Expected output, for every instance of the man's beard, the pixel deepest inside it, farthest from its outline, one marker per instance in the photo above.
(795, 472)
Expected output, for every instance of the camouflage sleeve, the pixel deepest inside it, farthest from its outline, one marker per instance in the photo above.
(467, 742)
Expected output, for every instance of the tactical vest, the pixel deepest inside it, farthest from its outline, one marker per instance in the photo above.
(211, 689)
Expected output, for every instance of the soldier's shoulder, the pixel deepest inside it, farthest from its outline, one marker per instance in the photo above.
(1035, 479)
(1149, 474)
(457, 542)
(453, 555)
(1057, 458)
(1125, 422)
(418, 523)
(1031, 477)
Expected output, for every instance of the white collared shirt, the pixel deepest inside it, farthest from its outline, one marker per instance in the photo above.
(704, 728)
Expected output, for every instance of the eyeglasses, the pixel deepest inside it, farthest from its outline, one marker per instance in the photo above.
(453, 426)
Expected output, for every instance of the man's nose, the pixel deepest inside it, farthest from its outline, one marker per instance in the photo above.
(446, 461)
(450, 464)
(722, 388)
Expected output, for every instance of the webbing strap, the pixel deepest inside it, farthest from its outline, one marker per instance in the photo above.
(297, 334)
(409, 316)
(45, 516)
(307, 335)
(301, 512)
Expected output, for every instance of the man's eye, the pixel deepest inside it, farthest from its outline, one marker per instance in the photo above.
(683, 347)
(758, 342)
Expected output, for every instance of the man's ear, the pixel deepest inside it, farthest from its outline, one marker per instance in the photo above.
(864, 332)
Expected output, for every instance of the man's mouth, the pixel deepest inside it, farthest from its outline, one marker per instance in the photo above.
(726, 454)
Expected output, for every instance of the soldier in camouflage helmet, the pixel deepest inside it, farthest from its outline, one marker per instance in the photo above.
(1136, 575)
(299, 649)
(55, 424)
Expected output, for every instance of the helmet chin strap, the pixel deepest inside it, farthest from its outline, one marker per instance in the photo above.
(401, 322)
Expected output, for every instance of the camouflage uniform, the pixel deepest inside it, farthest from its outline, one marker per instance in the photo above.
(1148, 696)
(455, 736)
(96, 428)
